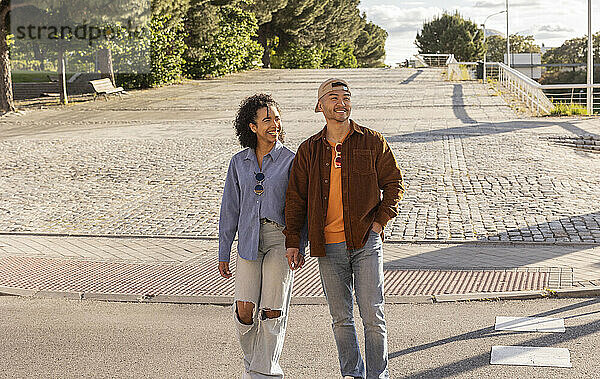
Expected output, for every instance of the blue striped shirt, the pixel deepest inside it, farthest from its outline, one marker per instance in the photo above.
(242, 209)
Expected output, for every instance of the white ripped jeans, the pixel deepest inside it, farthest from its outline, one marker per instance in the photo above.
(266, 282)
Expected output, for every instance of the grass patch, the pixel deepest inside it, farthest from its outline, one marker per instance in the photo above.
(568, 109)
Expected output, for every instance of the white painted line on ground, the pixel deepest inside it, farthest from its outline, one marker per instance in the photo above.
(530, 324)
(530, 356)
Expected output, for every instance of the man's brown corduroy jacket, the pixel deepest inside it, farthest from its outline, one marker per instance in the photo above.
(368, 168)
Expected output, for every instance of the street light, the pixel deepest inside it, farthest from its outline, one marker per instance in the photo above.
(507, 38)
(484, 45)
(590, 64)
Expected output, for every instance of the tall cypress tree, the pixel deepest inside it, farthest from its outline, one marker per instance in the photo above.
(291, 22)
(369, 46)
(339, 22)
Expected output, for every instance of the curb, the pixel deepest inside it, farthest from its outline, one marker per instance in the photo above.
(388, 240)
(576, 292)
(483, 296)
(304, 300)
(114, 236)
(182, 299)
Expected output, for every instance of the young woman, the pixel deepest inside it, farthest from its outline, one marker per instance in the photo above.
(253, 206)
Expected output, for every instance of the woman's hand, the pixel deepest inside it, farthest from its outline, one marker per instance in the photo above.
(224, 270)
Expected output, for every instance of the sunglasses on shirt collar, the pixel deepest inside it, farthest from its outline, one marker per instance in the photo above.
(259, 188)
(338, 155)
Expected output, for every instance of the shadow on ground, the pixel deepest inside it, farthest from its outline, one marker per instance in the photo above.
(412, 77)
(469, 364)
(468, 252)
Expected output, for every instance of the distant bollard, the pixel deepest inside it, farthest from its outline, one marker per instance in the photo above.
(480, 70)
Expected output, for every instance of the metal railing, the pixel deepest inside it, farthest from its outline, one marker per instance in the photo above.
(573, 95)
(570, 95)
(462, 70)
(434, 60)
(530, 92)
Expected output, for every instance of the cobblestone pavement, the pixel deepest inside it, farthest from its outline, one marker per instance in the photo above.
(154, 162)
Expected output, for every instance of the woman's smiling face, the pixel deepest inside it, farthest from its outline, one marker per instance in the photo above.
(267, 125)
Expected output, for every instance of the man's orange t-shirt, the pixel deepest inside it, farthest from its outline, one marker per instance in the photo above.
(334, 223)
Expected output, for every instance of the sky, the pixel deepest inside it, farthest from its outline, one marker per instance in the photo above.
(551, 22)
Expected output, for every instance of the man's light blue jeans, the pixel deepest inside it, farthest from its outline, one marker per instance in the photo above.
(361, 270)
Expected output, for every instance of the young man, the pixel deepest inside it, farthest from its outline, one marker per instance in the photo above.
(336, 181)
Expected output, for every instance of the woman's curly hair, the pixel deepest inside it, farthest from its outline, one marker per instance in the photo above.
(247, 114)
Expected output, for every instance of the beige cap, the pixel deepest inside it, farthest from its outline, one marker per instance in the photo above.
(330, 85)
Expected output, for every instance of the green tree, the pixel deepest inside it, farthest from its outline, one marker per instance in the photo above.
(227, 46)
(6, 92)
(263, 11)
(290, 22)
(295, 56)
(339, 21)
(571, 51)
(339, 55)
(451, 34)
(496, 46)
(166, 42)
(310, 23)
(369, 46)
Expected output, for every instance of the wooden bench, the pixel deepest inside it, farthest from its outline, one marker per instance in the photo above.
(105, 87)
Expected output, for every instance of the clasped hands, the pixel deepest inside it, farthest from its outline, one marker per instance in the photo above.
(296, 260)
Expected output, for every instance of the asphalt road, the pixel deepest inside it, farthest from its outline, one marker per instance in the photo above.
(56, 338)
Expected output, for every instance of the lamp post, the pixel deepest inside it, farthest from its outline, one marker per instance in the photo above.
(507, 38)
(590, 63)
(484, 45)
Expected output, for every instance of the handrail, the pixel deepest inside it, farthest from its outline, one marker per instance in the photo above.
(563, 86)
(528, 90)
(435, 60)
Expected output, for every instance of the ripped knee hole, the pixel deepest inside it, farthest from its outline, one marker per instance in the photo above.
(270, 314)
(244, 311)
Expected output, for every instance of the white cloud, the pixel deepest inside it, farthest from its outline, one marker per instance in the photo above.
(555, 29)
(502, 4)
(396, 17)
(553, 32)
(402, 25)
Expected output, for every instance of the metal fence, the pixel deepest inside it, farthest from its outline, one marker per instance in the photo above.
(562, 95)
(573, 95)
(526, 89)
(434, 60)
(462, 70)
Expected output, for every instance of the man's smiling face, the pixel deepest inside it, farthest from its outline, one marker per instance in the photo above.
(336, 105)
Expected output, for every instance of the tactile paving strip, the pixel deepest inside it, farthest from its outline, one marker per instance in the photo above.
(202, 279)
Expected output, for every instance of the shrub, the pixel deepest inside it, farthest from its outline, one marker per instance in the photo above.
(295, 56)
(340, 55)
(229, 48)
(568, 109)
(164, 39)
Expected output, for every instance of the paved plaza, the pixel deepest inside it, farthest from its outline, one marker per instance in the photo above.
(487, 187)
(49, 338)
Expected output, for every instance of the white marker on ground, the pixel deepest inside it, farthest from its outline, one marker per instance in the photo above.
(530, 356)
(530, 324)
